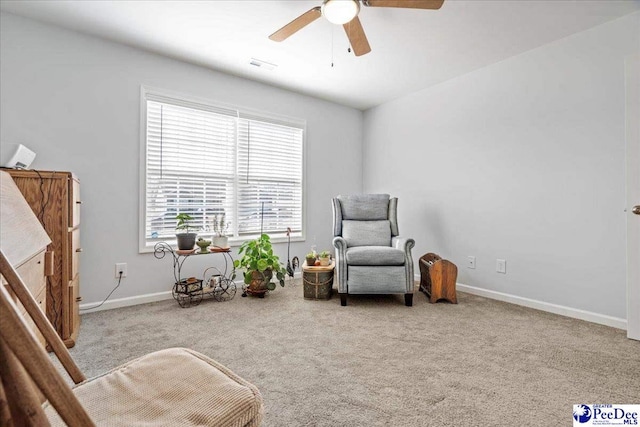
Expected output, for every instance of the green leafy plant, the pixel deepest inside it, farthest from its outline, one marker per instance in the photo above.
(184, 222)
(325, 254)
(257, 255)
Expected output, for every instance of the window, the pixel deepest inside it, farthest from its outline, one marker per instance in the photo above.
(206, 160)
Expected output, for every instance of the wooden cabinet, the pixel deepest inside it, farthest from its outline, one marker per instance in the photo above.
(54, 197)
(32, 273)
(24, 243)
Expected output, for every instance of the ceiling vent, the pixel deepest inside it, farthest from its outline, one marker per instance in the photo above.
(262, 64)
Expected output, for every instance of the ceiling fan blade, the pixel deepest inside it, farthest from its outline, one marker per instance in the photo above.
(297, 24)
(409, 4)
(357, 38)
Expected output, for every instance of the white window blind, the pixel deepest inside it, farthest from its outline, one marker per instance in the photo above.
(276, 198)
(205, 161)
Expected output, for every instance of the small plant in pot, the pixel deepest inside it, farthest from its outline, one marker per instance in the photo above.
(220, 227)
(203, 245)
(259, 264)
(325, 258)
(186, 238)
(311, 259)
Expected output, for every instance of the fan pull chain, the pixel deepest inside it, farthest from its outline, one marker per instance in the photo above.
(332, 31)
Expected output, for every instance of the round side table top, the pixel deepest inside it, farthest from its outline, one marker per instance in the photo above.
(329, 267)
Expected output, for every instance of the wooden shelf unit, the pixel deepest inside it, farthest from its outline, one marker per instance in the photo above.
(24, 243)
(54, 197)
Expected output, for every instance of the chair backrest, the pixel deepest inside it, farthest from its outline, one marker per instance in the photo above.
(25, 368)
(365, 219)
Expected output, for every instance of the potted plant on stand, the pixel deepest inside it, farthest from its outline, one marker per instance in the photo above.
(311, 259)
(203, 245)
(259, 264)
(186, 239)
(325, 258)
(220, 227)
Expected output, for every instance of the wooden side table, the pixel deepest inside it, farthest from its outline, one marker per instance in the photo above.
(438, 278)
(318, 281)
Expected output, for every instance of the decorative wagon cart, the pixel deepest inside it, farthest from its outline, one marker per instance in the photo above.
(216, 283)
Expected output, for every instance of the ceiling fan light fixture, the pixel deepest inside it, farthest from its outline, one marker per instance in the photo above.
(340, 11)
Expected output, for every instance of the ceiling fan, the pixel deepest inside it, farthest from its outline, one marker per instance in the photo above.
(345, 13)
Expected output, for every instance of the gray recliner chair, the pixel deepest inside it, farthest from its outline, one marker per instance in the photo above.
(371, 257)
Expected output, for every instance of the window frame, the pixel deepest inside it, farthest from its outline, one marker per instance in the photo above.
(242, 112)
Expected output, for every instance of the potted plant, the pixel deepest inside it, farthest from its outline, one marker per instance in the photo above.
(325, 258)
(203, 245)
(311, 259)
(220, 227)
(259, 264)
(186, 239)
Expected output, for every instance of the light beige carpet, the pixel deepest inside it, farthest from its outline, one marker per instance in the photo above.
(379, 363)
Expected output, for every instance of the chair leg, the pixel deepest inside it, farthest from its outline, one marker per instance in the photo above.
(408, 300)
(343, 300)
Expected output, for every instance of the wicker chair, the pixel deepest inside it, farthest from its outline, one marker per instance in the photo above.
(176, 387)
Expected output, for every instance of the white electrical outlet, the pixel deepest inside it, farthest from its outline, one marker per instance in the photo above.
(121, 266)
(501, 266)
(471, 262)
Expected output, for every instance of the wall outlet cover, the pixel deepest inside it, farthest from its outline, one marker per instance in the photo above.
(471, 262)
(121, 266)
(501, 266)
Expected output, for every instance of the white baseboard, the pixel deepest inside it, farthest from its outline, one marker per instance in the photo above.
(141, 299)
(125, 302)
(601, 319)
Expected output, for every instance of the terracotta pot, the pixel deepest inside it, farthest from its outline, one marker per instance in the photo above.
(259, 282)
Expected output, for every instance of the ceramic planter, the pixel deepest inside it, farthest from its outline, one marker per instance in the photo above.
(186, 241)
(221, 241)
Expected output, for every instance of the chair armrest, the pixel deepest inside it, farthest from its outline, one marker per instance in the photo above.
(406, 244)
(340, 244)
(341, 264)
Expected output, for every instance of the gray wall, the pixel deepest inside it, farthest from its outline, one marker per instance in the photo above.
(75, 101)
(522, 160)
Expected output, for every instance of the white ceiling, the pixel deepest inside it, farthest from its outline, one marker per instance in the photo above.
(411, 49)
